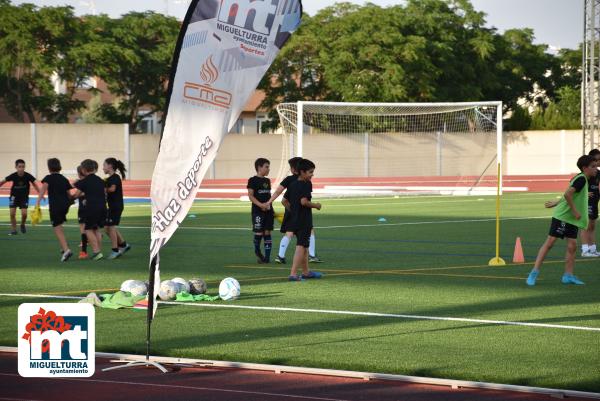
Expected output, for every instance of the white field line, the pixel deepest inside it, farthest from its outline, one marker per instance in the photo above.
(343, 312)
(195, 388)
(409, 223)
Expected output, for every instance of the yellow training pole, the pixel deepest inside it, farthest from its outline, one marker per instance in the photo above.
(497, 261)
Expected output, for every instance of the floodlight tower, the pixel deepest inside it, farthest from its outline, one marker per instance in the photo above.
(590, 87)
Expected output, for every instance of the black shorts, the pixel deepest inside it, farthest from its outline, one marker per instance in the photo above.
(58, 215)
(303, 236)
(113, 217)
(21, 203)
(262, 221)
(561, 229)
(285, 223)
(94, 219)
(593, 210)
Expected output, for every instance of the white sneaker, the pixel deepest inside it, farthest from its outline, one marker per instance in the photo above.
(589, 254)
(596, 253)
(66, 255)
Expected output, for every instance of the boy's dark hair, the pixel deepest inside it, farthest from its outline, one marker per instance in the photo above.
(594, 152)
(116, 165)
(80, 170)
(54, 165)
(19, 161)
(305, 165)
(261, 161)
(89, 165)
(585, 161)
(293, 162)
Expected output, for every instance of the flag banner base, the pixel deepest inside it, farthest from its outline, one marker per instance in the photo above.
(135, 364)
(496, 262)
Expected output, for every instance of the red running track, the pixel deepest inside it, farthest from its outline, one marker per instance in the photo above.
(224, 384)
(541, 183)
(234, 188)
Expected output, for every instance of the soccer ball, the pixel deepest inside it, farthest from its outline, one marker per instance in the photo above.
(197, 286)
(183, 284)
(229, 289)
(168, 290)
(138, 288)
(135, 287)
(126, 285)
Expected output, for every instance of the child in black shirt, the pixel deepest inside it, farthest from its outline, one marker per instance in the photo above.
(59, 201)
(114, 198)
(286, 239)
(298, 200)
(259, 192)
(92, 187)
(19, 194)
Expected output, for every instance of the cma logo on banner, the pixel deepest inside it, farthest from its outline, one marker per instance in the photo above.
(206, 93)
(254, 15)
(56, 340)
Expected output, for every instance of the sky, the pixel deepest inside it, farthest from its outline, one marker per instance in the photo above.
(557, 23)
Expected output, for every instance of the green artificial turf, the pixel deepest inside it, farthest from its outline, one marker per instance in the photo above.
(428, 259)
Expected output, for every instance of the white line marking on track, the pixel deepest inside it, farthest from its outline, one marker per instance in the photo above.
(177, 386)
(351, 313)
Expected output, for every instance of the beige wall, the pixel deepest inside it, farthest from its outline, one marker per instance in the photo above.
(144, 149)
(71, 143)
(15, 143)
(525, 153)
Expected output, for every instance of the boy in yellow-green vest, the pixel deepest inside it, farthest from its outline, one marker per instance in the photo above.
(569, 216)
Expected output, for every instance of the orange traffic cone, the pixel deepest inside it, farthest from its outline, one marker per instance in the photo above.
(518, 255)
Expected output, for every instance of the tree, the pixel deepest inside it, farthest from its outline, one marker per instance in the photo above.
(36, 44)
(423, 51)
(133, 56)
(519, 120)
(561, 114)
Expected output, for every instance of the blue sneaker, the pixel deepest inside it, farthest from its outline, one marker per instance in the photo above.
(114, 255)
(294, 278)
(532, 277)
(571, 279)
(312, 274)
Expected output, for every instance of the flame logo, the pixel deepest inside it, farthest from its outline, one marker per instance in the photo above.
(209, 72)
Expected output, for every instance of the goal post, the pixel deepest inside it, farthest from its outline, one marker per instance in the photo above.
(449, 148)
(401, 148)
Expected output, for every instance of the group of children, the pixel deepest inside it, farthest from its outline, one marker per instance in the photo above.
(576, 209)
(100, 203)
(297, 219)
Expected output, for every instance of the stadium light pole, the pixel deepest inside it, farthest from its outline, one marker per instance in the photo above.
(590, 99)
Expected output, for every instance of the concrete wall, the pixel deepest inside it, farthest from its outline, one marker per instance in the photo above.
(70, 143)
(375, 155)
(15, 143)
(542, 152)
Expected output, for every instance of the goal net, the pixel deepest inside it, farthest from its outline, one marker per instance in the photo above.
(397, 148)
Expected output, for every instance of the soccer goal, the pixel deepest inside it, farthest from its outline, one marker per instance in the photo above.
(398, 148)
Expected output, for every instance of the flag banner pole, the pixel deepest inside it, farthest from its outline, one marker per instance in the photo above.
(151, 302)
(224, 49)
